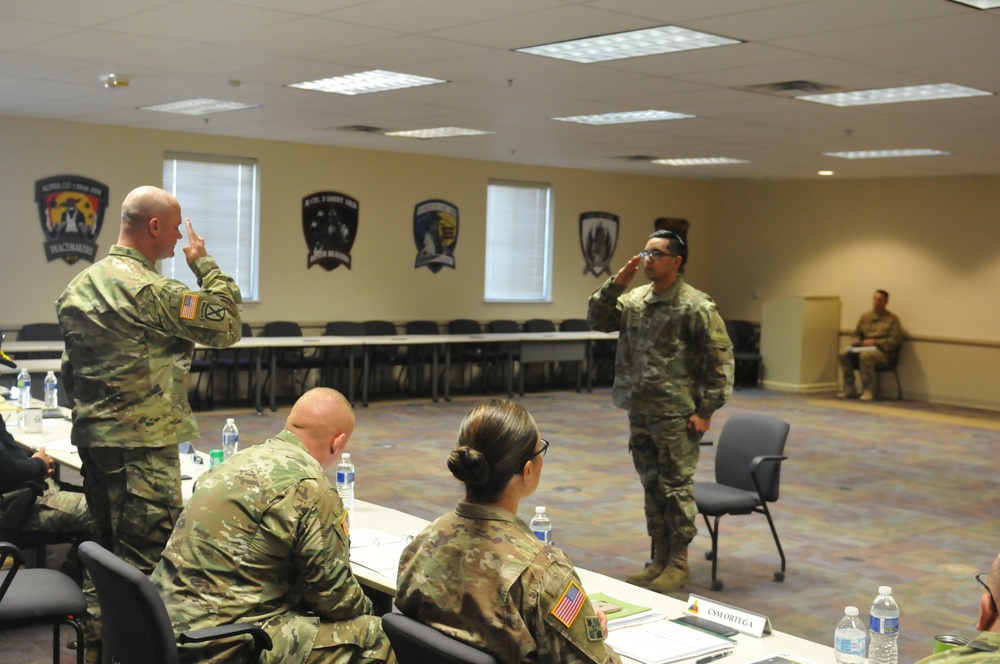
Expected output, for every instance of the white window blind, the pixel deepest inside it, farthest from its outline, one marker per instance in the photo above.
(220, 195)
(518, 242)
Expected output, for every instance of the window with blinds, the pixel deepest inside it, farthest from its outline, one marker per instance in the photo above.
(518, 242)
(220, 196)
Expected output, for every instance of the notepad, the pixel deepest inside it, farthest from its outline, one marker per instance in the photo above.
(627, 614)
(665, 641)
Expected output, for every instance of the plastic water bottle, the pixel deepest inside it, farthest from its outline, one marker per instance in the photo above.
(24, 388)
(345, 481)
(883, 623)
(850, 638)
(230, 439)
(51, 390)
(541, 525)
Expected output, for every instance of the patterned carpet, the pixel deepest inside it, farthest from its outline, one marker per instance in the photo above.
(892, 493)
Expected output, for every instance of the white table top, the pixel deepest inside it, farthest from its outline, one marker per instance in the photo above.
(368, 515)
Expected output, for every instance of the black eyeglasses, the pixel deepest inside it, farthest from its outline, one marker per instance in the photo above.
(655, 254)
(979, 578)
(542, 451)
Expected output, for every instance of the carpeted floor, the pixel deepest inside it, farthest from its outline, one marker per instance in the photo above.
(894, 493)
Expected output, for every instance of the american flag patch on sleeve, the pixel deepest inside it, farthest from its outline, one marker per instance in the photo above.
(569, 605)
(189, 306)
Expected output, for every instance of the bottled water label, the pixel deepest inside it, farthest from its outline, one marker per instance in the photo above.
(883, 625)
(544, 535)
(232, 439)
(850, 642)
(345, 477)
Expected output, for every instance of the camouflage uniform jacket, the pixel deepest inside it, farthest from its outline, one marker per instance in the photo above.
(885, 329)
(130, 334)
(479, 575)
(674, 356)
(263, 537)
(984, 649)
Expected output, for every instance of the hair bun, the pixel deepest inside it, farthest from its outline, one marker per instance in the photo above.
(469, 465)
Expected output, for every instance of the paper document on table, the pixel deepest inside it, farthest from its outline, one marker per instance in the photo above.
(59, 445)
(665, 641)
(377, 550)
(623, 614)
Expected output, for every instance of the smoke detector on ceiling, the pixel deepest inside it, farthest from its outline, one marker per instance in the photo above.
(112, 81)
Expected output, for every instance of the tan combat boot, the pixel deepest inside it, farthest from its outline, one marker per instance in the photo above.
(643, 577)
(676, 575)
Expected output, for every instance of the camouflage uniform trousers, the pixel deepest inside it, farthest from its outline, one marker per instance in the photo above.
(665, 453)
(59, 511)
(134, 498)
(334, 642)
(865, 363)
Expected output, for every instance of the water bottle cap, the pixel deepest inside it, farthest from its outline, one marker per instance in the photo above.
(850, 610)
(539, 510)
(345, 456)
(51, 374)
(230, 420)
(216, 453)
(884, 590)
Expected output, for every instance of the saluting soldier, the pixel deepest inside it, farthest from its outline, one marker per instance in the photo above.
(130, 334)
(673, 370)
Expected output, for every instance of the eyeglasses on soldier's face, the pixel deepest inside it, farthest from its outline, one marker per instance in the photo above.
(542, 450)
(654, 254)
(979, 578)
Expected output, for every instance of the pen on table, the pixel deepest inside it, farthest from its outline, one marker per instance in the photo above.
(712, 658)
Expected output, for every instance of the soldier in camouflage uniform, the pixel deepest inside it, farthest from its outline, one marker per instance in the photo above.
(480, 575)
(878, 329)
(56, 511)
(985, 648)
(130, 335)
(673, 370)
(264, 540)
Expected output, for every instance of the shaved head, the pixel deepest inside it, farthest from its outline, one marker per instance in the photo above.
(323, 420)
(144, 203)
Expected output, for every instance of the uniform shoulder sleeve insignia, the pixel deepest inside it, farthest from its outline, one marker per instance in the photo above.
(189, 306)
(594, 631)
(569, 605)
(345, 524)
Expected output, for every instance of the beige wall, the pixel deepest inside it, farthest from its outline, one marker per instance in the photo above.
(932, 243)
(382, 282)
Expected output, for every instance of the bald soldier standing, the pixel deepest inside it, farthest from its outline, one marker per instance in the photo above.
(264, 541)
(130, 335)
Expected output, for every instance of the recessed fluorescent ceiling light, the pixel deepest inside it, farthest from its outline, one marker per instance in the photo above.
(895, 95)
(700, 161)
(437, 132)
(980, 4)
(199, 106)
(633, 44)
(623, 118)
(376, 80)
(882, 154)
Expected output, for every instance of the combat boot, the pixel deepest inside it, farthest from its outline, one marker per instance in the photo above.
(676, 575)
(647, 574)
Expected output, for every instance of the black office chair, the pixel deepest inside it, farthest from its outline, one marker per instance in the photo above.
(134, 622)
(341, 357)
(497, 353)
(470, 354)
(40, 332)
(747, 475)
(382, 358)
(293, 360)
(30, 596)
(16, 509)
(420, 356)
(890, 367)
(234, 360)
(749, 363)
(417, 643)
(548, 368)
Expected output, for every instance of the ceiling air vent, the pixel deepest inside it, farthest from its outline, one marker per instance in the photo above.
(790, 88)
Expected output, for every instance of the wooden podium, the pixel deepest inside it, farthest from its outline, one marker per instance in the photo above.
(798, 343)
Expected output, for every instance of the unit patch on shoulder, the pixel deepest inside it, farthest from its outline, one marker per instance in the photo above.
(213, 312)
(569, 605)
(189, 306)
(594, 631)
(345, 524)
